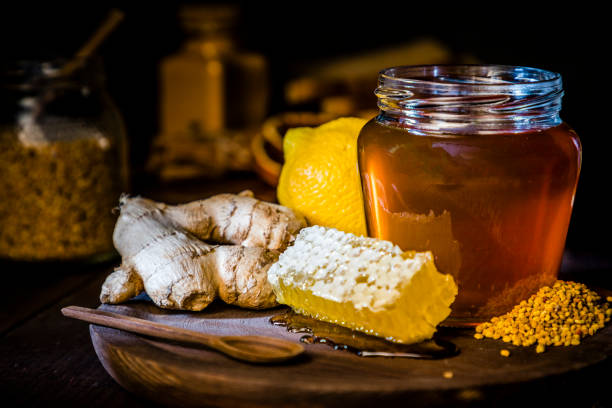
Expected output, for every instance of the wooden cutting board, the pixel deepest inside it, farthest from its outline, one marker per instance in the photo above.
(179, 375)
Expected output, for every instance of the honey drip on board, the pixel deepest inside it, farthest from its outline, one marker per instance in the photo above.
(342, 338)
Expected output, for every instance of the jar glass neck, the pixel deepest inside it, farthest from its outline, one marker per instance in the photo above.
(469, 99)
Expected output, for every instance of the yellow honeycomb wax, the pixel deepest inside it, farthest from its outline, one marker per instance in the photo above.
(365, 284)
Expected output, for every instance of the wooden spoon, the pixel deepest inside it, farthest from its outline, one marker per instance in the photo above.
(253, 349)
(108, 25)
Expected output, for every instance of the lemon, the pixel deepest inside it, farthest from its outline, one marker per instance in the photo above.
(320, 176)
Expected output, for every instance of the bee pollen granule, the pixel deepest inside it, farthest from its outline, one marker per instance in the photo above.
(560, 315)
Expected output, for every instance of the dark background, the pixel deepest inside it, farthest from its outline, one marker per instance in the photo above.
(46, 359)
(573, 41)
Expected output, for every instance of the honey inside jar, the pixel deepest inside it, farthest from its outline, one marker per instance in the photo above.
(489, 192)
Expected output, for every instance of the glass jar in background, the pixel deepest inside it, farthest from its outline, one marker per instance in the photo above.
(473, 163)
(213, 98)
(63, 162)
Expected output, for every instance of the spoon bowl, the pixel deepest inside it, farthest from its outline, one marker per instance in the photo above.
(260, 349)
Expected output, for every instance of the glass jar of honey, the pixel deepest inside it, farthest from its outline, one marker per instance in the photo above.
(473, 163)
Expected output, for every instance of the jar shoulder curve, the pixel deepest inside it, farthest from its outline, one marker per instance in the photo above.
(571, 134)
(564, 130)
(376, 128)
(371, 131)
(367, 127)
(559, 141)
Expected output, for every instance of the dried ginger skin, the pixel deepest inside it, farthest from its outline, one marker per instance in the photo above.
(246, 283)
(244, 220)
(121, 285)
(164, 247)
(238, 219)
(170, 261)
(191, 217)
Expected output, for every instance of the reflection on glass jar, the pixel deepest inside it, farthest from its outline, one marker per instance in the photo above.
(474, 164)
(63, 162)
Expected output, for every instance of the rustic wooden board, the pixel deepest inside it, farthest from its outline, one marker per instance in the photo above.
(178, 375)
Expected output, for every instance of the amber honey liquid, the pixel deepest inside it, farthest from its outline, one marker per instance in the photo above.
(494, 209)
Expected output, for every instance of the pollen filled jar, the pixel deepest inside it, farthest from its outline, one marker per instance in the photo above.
(473, 163)
(63, 162)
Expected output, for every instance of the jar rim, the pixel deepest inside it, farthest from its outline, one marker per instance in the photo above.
(35, 73)
(469, 98)
(471, 76)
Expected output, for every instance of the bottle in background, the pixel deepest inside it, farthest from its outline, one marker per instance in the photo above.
(212, 97)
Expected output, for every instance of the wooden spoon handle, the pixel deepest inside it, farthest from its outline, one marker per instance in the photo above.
(254, 349)
(141, 326)
(114, 18)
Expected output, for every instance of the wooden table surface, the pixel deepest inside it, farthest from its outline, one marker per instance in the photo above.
(47, 359)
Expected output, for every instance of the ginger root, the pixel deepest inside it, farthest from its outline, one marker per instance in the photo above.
(164, 251)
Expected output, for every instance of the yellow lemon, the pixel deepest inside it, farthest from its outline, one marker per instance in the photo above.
(320, 177)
